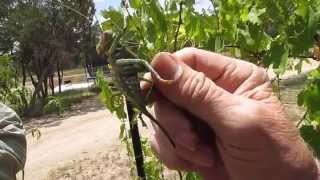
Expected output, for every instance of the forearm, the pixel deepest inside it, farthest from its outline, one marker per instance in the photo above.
(295, 156)
(285, 157)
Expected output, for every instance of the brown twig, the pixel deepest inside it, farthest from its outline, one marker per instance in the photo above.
(302, 119)
(178, 28)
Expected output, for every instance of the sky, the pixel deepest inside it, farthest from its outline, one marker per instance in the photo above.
(103, 4)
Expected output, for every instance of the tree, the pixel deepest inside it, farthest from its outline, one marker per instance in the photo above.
(46, 37)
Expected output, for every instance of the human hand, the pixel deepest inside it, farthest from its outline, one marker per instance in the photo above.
(247, 135)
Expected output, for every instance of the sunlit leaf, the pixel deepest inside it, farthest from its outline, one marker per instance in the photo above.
(278, 57)
(136, 4)
(254, 15)
(312, 137)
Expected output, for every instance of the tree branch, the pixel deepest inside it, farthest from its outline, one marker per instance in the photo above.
(303, 56)
(290, 56)
(178, 28)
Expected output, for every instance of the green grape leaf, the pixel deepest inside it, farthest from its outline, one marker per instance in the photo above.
(136, 4)
(254, 14)
(315, 74)
(189, 3)
(114, 17)
(152, 33)
(156, 13)
(173, 5)
(244, 16)
(192, 176)
(302, 8)
(254, 39)
(312, 137)
(310, 98)
(107, 25)
(278, 57)
(301, 41)
(300, 98)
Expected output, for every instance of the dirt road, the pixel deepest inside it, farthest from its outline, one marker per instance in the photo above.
(69, 147)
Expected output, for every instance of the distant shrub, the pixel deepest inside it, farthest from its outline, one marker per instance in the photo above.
(54, 105)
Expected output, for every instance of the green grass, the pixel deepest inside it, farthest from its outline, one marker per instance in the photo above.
(64, 101)
(76, 96)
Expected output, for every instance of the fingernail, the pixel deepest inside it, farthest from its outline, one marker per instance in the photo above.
(187, 140)
(172, 70)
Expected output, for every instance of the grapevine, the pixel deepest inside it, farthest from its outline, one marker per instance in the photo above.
(271, 34)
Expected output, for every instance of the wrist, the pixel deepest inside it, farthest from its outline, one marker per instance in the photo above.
(295, 159)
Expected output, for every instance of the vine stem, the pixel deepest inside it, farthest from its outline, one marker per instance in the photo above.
(178, 28)
(136, 142)
(302, 119)
(278, 86)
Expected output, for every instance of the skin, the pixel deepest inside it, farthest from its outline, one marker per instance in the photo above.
(243, 132)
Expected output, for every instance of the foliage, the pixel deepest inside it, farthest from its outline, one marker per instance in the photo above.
(7, 74)
(310, 98)
(114, 102)
(54, 105)
(64, 100)
(267, 33)
(253, 32)
(153, 166)
(17, 98)
(192, 176)
(45, 37)
(312, 136)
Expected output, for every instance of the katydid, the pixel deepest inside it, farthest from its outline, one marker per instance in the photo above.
(124, 73)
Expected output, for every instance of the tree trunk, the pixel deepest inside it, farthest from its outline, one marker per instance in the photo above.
(45, 87)
(51, 82)
(24, 75)
(39, 85)
(59, 76)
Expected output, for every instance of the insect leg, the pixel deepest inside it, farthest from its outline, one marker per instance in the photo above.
(148, 94)
(146, 80)
(144, 124)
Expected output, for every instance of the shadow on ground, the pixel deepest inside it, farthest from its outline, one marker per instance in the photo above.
(87, 105)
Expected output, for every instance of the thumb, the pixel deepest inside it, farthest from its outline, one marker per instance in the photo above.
(190, 89)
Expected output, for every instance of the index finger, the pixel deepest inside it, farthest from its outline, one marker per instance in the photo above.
(226, 72)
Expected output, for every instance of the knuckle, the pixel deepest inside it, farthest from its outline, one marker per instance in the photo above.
(198, 87)
(161, 55)
(259, 75)
(262, 73)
